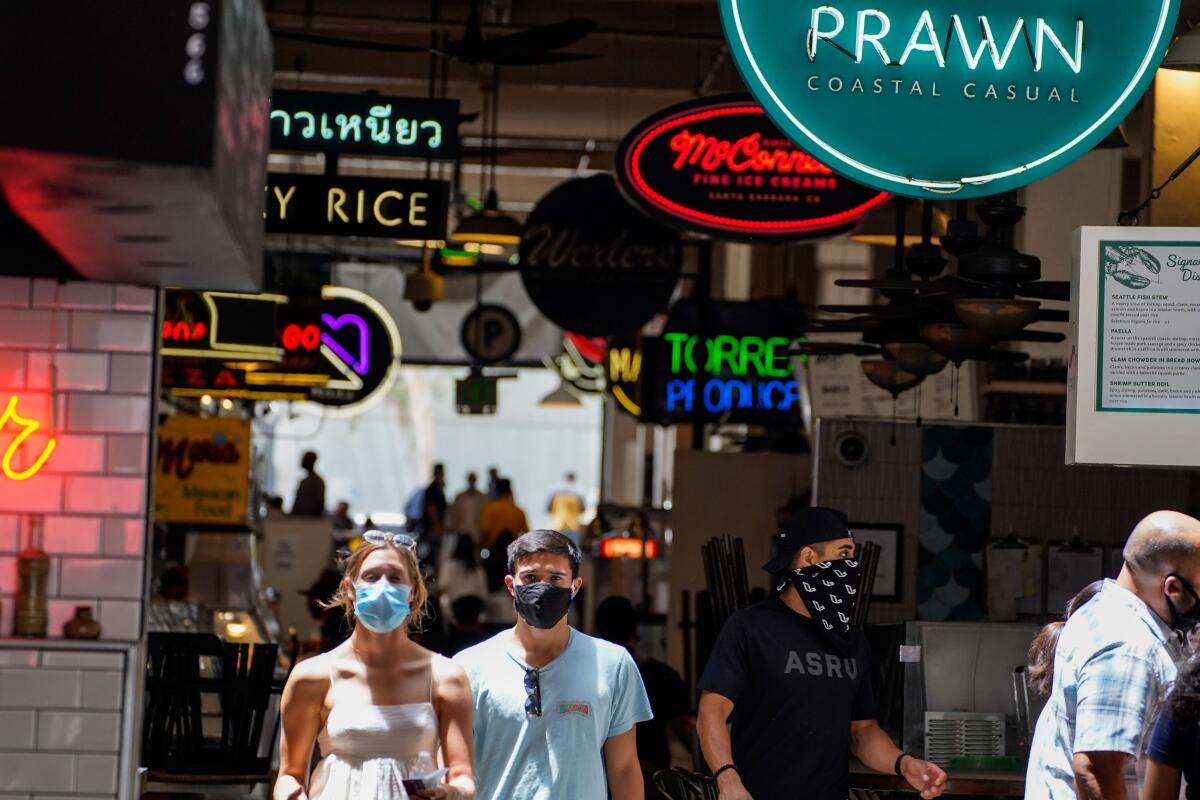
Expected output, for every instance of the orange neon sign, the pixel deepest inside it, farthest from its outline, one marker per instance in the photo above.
(28, 428)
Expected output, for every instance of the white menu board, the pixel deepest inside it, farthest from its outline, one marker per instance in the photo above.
(1135, 360)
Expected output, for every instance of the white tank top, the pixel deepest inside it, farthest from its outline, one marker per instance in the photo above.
(368, 749)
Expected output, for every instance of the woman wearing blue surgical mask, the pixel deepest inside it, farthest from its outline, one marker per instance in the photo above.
(392, 720)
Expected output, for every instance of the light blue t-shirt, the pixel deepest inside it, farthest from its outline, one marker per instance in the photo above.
(589, 693)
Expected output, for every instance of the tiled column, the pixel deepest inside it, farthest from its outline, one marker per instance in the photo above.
(79, 358)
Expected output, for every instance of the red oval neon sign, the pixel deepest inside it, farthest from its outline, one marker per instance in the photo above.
(718, 166)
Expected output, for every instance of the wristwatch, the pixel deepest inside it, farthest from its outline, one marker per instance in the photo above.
(900, 760)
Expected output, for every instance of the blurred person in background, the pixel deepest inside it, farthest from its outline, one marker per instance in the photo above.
(1174, 750)
(466, 626)
(617, 622)
(501, 523)
(310, 494)
(466, 511)
(566, 506)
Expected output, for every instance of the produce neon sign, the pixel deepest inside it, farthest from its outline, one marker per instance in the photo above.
(761, 369)
(28, 427)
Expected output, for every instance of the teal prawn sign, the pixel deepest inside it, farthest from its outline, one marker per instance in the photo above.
(948, 98)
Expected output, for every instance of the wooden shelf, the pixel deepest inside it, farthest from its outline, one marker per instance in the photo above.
(1046, 389)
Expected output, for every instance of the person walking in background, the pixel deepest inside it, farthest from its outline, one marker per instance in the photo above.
(310, 494)
(493, 484)
(466, 511)
(382, 707)
(566, 506)
(555, 709)
(1115, 659)
(617, 622)
(1174, 750)
(434, 520)
(502, 521)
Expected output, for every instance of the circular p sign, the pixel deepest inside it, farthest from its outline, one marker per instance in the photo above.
(490, 334)
(948, 98)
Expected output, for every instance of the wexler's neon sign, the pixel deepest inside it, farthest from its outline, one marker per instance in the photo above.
(761, 370)
(931, 97)
(26, 428)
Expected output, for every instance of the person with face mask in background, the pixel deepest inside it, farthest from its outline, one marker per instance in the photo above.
(381, 708)
(790, 677)
(555, 709)
(1115, 660)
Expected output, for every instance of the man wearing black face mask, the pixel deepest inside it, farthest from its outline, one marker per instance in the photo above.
(549, 700)
(1115, 660)
(791, 677)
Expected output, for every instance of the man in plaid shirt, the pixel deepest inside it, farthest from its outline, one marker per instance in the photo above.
(1116, 659)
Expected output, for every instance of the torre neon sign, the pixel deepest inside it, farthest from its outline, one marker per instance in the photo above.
(11, 418)
(729, 374)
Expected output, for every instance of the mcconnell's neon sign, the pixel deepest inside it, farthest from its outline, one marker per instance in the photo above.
(11, 418)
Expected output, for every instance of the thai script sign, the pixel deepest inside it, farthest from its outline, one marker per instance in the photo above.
(929, 98)
(719, 166)
(364, 124)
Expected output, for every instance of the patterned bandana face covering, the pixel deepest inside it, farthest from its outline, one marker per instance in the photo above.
(829, 590)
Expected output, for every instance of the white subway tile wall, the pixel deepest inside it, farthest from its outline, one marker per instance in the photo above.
(61, 710)
(56, 740)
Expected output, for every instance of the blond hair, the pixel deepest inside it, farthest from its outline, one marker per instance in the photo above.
(351, 566)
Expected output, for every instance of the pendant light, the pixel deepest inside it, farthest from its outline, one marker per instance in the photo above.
(490, 225)
(997, 317)
(562, 397)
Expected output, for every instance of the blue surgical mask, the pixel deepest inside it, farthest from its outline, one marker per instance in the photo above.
(382, 606)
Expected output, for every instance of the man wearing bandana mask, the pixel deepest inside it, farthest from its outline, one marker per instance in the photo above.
(790, 677)
(555, 709)
(1115, 660)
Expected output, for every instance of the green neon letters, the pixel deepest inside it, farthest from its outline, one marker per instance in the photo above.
(973, 100)
(735, 355)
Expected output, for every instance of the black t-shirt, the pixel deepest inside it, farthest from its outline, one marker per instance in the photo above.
(795, 690)
(668, 700)
(1175, 742)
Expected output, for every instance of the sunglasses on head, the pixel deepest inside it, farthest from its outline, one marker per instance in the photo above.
(533, 693)
(394, 539)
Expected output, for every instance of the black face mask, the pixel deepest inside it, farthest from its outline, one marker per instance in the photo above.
(1181, 622)
(829, 590)
(542, 605)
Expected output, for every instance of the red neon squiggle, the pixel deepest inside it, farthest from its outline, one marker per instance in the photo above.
(729, 223)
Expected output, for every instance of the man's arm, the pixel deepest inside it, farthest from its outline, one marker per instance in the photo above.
(624, 772)
(1100, 776)
(716, 746)
(872, 747)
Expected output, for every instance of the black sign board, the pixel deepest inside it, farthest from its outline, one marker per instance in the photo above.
(490, 334)
(202, 376)
(220, 325)
(718, 166)
(476, 395)
(727, 364)
(323, 205)
(594, 265)
(364, 124)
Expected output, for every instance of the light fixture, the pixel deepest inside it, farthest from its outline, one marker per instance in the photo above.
(423, 288)
(879, 226)
(957, 342)
(997, 317)
(1184, 54)
(890, 376)
(917, 358)
(489, 225)
(227, 404)
(453, 257)
(562, 397)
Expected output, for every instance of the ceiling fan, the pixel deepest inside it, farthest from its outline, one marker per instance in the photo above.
(530, 47)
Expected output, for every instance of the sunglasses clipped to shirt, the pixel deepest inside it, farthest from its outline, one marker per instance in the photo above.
(533, 693)
(394, 539)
